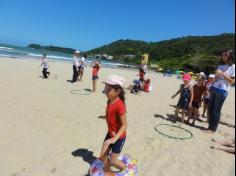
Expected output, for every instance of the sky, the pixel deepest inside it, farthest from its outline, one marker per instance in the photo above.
(87, 24)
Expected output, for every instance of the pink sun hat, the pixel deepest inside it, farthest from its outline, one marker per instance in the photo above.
(186, 77)
(115, 80)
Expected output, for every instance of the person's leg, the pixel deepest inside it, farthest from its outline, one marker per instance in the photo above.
(81, 73)
(195, 116)
(75, 74)
(204, 109)
(94, 85)
(104, 155)
(225, 142)
(190, 112)
(219, 101)
(116, 162)
(210, 110)
(45, 73)
(224, 148)
(176, 113)
(183, 115)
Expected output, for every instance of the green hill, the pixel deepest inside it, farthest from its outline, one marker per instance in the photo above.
(52, 48)
(191, 52)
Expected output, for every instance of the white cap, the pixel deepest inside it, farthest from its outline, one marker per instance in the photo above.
(202, 74)
(77, 51)
(211, 76)
(115, 80)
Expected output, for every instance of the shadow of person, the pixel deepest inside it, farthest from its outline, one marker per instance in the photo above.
(85, 154)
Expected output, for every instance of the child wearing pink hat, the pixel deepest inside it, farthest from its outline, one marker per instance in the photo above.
(116, 122)
(186, 96)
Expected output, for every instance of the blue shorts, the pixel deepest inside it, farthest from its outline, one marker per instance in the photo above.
(117, 147)
(95, 77)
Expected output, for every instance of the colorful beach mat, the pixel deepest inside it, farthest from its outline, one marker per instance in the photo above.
(96, 168)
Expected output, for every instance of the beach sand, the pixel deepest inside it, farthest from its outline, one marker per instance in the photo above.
(45, 130)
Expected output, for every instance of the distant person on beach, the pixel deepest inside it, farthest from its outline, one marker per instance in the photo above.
(83, 64)
(136, 87)
(116, 122)
(224, 78)
(227, 145)
(186, 96)
(96, 66)
(147, 86)
(45, 66)
(75, 65)
(199, 91)
(209, 84)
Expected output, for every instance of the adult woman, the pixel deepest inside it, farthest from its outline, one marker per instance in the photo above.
(75, 66)
(224, 78)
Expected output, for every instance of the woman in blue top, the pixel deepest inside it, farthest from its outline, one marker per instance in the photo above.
(224, 78)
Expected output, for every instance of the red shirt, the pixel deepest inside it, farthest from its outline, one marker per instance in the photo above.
(114, 111)
(141, 75)
(95, 71)
(146, 87)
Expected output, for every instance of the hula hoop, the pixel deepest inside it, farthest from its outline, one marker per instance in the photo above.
(173, 137)
(80, 92)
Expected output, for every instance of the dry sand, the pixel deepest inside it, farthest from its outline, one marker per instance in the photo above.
(45, 130)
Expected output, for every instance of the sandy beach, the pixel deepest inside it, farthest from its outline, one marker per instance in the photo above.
(46, 130)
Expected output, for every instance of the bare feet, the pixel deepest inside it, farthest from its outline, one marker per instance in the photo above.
(209, 131)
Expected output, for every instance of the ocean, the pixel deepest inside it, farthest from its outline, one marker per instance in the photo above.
(19, 52)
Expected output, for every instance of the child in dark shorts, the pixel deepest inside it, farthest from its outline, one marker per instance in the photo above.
(116, 122)
(199, 91)
(186, 96)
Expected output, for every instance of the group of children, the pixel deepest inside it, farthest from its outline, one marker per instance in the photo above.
(193, 96)
(142, 84)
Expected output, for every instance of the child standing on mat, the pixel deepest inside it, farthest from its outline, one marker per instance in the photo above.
(116, 122)
(96, 66)
(186, 96)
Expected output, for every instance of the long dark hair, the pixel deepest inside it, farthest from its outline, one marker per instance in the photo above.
(122, 92)
(230, 57)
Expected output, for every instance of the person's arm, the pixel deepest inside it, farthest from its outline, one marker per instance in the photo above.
(178, 92)
(230, 80)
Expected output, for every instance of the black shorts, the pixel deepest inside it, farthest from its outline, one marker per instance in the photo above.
(117, 147)
(95, 78)
(195, 104)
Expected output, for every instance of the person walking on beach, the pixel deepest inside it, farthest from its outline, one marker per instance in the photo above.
(209, 83)
(116, 122)
(186, 96)
(83, 64)
(75, 66)
(45, 66)
(96, 66)
(224, 78)
(199, 91)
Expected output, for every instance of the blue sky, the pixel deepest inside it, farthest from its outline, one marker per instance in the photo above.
(86, 24)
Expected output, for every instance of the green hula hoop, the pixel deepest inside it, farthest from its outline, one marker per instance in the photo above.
(173, 137)
(80, 92)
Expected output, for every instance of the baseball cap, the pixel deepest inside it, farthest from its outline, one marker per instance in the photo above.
(115, 80)
(186, 77)
(77, 51)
